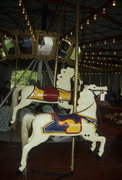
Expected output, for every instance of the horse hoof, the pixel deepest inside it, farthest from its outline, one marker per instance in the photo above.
(10, 123)
(90, 151)
(18, 172)
(98, 157)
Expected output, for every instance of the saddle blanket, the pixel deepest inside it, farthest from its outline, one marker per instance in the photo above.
(66, 124)
(50, 94)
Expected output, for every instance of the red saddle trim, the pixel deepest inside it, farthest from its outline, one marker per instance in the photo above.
(50, 94)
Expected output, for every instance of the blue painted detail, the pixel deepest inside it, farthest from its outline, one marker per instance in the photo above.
(90, 120)
(54, 127)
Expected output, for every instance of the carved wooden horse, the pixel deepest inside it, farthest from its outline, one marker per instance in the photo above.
(83, 123)
(61, 94)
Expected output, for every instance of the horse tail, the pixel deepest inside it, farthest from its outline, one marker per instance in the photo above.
(26, 127)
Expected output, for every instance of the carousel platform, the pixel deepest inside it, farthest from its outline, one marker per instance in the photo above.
(51, 161)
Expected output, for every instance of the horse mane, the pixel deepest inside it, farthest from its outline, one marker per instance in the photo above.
(63, 79)
(84, 102)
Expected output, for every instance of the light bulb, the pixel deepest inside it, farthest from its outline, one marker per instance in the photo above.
(114, 3)
(104, 10)
(20, 2)
(95, 16)
(87, 21)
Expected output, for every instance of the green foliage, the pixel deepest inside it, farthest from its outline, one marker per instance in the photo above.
(25, 78)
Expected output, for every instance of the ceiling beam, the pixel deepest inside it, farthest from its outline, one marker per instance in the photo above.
(67, 4)
(96, 11)
(11, 18)
(106, 16)
(102, 50)
(104, 39)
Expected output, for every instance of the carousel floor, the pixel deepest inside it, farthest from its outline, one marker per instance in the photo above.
(51, 161)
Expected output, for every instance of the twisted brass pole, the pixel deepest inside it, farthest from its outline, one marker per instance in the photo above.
(75, 78)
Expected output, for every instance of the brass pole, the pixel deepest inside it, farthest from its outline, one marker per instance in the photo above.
(75, 79)
(58, 39)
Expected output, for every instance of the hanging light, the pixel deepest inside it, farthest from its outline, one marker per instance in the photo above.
(81, 27)
(23, 10)
(30, 28)
(87, 22)
(114, 40)
(26, 16)
(28, 23)
(105, 42)
(84, 46)
(71, 33)
(95, 16)
(31, 31)
(20, 2)
(114, 3)
(104, 10)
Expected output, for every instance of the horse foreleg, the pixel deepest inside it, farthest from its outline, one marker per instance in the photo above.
(102, 141)
(95, 138)
(36, 140)
(93, 145)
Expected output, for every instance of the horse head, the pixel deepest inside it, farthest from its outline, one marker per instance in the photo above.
(96, 90)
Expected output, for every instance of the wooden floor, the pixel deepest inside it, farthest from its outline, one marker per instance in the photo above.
(50, 161)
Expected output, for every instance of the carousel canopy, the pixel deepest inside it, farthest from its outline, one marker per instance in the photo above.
(39, 23)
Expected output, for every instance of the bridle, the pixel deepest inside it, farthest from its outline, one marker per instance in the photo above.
(93, 91)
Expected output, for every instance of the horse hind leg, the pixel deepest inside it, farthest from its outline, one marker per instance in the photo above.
(35, 140)
(22, 104)
(26, 126)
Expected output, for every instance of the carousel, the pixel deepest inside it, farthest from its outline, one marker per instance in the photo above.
(66, 101)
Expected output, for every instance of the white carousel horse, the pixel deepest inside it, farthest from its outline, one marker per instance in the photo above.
(60, 95)
(83, 123)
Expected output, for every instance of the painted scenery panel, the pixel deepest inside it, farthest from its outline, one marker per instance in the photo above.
(25, 44)
(64, 49)
(9, 46)
(2, 53)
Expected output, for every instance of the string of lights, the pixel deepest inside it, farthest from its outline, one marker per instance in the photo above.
(27, 19)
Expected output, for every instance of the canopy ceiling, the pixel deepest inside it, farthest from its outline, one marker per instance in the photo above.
(100, 32)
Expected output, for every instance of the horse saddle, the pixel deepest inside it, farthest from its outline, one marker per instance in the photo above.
(50, 94)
